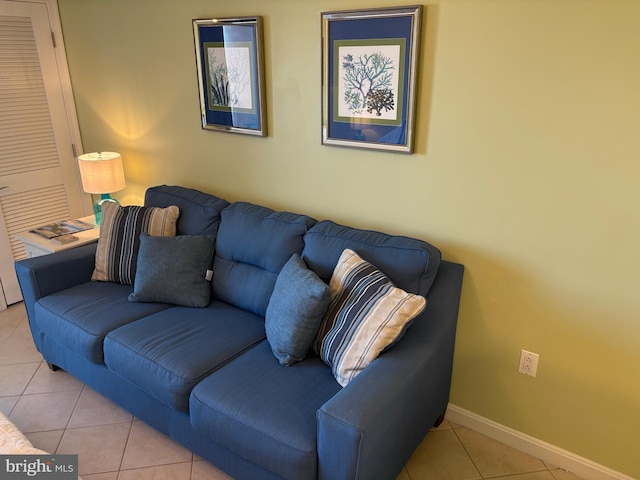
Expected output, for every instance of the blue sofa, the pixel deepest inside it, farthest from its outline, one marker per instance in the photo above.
(207, 376)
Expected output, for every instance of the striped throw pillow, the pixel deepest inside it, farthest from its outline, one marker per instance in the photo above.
(367, 313)
(120, 229)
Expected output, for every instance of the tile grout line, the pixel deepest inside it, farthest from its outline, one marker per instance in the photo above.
(498, 477)
(64, 431)
(75, 407)
(192, 466)
(23, 390)
(466, 451)
(124, 451)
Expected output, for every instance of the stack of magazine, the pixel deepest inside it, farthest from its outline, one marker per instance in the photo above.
(62, 232)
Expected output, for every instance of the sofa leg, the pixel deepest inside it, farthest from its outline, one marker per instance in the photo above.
(52, 367)
(440, 419)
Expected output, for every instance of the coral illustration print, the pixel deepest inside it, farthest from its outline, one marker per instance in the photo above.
(229, 77)
(368, 78)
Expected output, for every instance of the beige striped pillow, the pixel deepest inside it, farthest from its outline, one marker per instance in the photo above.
(366, 315)
(120, 229)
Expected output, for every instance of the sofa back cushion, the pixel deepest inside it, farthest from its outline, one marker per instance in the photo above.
(252, 246)
(409, 263)
(199, 212)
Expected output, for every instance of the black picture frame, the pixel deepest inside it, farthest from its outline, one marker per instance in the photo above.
(369, 70)
(230, 65)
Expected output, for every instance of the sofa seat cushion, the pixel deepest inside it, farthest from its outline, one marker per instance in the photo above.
(167, 354)
(264, 412)
(79, 318)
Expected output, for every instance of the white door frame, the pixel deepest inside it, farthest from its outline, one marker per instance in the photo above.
(67, 98)
(65, 82)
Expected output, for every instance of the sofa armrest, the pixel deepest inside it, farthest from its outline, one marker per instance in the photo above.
(42, 276)
(372, 426)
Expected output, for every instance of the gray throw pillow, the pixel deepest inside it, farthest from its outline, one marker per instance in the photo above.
(295, 310)
(174, 270)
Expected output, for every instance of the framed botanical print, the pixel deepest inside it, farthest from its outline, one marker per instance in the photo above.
(229, 59)
(369, 68)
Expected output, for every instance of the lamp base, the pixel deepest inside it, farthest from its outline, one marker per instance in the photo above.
(97, 206)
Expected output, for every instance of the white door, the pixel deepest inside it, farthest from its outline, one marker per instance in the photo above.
(39, 180)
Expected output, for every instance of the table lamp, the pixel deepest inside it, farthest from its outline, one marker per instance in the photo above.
(101, 173)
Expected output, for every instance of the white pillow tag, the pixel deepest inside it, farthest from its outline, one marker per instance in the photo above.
(209, 275)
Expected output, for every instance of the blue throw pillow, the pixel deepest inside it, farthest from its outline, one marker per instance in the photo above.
(295, 310)
(174, 270)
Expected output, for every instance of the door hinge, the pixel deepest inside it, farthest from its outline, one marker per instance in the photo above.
(53, 39)
(73, 149)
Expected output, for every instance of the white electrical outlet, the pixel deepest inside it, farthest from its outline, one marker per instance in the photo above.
(528, 363)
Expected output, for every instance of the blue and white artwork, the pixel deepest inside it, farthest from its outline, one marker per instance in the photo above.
(368, 77)
(230, 79)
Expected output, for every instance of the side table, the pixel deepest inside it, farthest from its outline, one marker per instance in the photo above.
(36, 245)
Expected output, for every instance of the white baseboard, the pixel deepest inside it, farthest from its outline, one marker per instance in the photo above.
(550, 454)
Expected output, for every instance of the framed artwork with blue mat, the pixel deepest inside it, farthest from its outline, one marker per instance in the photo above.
(369, 69)
(230, 58)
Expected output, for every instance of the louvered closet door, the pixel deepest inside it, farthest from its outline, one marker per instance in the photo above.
(39, 182)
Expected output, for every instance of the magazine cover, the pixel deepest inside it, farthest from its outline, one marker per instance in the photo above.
(65, 227)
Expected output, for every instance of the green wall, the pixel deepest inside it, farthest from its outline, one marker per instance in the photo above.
(526, 171)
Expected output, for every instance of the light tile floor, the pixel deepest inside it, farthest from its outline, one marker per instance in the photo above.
(60, 414)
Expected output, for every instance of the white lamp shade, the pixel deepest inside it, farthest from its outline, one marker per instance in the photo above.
(101, 172)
